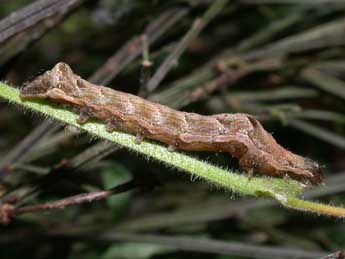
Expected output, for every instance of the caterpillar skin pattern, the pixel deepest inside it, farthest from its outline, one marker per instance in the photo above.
(240, 135)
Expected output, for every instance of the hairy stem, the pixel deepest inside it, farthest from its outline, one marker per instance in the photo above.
(285, 191)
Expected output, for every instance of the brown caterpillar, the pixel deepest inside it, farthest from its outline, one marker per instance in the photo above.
(241, 135)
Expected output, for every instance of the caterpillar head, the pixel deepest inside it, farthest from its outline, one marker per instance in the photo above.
(305, 169)
(56, 83)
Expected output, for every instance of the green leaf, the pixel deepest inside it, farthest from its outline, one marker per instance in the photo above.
(112, 176)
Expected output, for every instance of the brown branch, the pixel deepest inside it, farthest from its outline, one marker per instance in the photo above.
(32, 14)
(8, 211)
(229, 77)
(21, 28)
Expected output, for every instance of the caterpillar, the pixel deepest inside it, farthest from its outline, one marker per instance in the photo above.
(240, 135)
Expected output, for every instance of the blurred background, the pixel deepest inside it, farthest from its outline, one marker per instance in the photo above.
(282, 61)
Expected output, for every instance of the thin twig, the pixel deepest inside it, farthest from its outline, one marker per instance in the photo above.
(325, 82)
(65, 167)
(8, 212)
(172, 60)
(95, 152)
(23, 27)
(132, 48)
(146, 66)
(76, 200)
(318, 132)
(329, 34)
(16, 153)
(32, 14)
(275, 27)
(229, 77)
(325, 35)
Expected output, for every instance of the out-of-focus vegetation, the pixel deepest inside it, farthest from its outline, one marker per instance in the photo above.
(282, 62)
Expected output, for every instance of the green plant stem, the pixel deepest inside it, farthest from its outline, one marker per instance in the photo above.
(285, 191)
(319, 208)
